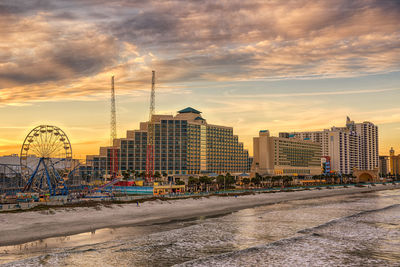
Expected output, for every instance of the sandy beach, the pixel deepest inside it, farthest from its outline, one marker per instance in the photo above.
(17, 228)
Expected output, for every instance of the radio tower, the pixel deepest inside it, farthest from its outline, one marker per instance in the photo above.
(150, 132)
(113, 134)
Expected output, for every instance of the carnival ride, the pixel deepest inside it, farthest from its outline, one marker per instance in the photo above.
(10, 178)
(46, 160)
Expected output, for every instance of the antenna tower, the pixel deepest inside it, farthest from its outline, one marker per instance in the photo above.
(113, 113)
(150, 132)
(113, 134)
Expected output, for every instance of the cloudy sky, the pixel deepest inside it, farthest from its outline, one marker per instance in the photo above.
(277, 65)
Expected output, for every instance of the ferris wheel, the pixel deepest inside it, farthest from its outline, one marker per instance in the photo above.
(46, 160)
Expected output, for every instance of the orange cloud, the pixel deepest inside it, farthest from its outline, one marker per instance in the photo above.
(53, 51)
(67, 50)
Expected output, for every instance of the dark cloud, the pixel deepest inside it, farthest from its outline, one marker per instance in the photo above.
(148, 27)
(41, 52)
(193, 25)
(187, 40)
(8, 9)
(25, 6)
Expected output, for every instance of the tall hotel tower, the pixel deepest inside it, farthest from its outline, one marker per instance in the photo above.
(184, 144)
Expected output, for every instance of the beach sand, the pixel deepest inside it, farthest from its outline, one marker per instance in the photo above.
(17, 228)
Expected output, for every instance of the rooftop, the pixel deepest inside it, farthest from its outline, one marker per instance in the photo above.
(189, 110)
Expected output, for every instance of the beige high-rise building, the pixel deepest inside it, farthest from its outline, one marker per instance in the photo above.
(285, 156)
(320, 137)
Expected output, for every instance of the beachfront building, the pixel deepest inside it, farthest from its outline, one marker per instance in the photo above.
(394, 163)
(285, 156)
(384, 167)
(354, 146)
(344, 150)
(184, 144)
(369, 145)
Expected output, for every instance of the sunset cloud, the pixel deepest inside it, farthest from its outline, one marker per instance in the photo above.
(54, 43)
(225, 55)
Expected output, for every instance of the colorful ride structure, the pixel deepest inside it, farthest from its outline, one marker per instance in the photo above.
(46, 160)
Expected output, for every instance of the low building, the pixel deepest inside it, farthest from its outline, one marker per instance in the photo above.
(326, 165)
(394, 163)
(285, 156)
(384, 165)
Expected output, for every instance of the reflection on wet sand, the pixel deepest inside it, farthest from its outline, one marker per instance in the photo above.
(182, 241)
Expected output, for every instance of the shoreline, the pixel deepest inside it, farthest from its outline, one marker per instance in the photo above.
(19, 228)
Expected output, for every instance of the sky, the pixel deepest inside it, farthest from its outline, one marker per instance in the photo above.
(252, 65)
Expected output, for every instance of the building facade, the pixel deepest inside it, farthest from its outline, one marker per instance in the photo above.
(184, 144)
(369, 145)
(394, 163)
(344, 150)
(354, 146)
(285, 156)
(384, 168)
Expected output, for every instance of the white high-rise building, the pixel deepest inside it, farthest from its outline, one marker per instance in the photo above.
(369, 145)
(353, 146)
(344, 150)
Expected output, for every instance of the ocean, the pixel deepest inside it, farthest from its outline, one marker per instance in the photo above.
(350, 230)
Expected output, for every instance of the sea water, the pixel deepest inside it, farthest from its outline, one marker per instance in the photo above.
(351, 230)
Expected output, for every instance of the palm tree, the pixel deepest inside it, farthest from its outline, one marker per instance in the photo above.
(229, 179)
(246, 181)
(193, 182)
(287, 180)
(269, 180)
(126, 175)
(204, 180)
(179, 182)
(256, 180)
(221, 180)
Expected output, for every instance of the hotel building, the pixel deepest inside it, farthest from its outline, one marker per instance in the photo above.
(394, 163)
(285, 156)
(184, 144)
(369, 145)
(384, 165)
(349, 147)
(344, 150)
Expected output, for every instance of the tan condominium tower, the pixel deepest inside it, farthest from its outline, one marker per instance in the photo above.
(285, 156)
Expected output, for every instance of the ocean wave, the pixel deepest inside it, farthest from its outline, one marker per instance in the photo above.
(361, 239)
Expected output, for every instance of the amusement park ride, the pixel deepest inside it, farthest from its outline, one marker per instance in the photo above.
(150, 132)
(46, 155)
(46, 160)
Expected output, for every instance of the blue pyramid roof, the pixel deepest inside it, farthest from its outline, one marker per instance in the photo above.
(189, 110)
(199, 118)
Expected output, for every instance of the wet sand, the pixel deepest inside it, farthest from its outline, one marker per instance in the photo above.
(17, 228)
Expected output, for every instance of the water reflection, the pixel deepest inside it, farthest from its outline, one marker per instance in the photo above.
(180, 241)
